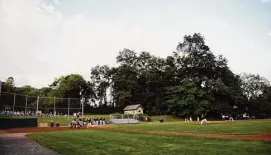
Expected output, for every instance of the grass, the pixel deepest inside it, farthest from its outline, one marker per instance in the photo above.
(104, 142)
(167, 118)
(235, 128)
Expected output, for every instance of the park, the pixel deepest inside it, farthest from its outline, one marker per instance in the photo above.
(146, 113)
(144, 77)
(173, 136)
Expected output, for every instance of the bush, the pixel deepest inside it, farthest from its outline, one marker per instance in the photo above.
(145, 118)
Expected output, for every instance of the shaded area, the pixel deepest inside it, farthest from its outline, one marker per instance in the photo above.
(9, 122)
(18, 144)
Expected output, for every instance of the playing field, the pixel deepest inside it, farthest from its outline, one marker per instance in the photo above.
(123, 141)
(222, 127)
(105, 142)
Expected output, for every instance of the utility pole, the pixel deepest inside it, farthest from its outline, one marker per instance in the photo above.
(68, 108)
(54, 105)
(82, 106)
(0, 87)
(14, 100)
(38, 104)
(25, 110)
(82, 101)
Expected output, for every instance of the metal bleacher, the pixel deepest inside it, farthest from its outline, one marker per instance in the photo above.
(125, 121)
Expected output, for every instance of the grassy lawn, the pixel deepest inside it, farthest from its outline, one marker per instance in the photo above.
(168, 118)
(237, 128)
(104, 142)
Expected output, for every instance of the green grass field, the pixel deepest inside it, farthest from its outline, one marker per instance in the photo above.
(236, 128)
(109, 142)
(85, 142)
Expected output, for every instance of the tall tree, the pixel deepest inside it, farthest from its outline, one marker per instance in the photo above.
(253, 85)
(100, 76)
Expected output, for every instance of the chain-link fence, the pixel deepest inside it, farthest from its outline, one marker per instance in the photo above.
(32, 105)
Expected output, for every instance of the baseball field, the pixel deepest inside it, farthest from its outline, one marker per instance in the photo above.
(217, 137)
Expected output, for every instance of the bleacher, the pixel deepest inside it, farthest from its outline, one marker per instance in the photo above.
(124, 121)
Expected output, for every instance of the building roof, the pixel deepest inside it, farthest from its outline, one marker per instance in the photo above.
(132, 107)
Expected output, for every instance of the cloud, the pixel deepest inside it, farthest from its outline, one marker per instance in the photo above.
(24, 27)
(266, 1)
(38, 42)
(269, 33)
(56, 2)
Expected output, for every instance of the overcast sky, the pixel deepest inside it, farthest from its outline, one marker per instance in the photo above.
(43, 39)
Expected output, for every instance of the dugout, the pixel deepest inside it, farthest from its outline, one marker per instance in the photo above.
(7, 123)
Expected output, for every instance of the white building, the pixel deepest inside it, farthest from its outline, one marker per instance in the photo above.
(133, 109)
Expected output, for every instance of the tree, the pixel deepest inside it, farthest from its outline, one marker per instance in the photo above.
(253, 85)
(257, 91)
(209, 74)
(100, 76)
(68, 86)
(188, 99)
(8, 86)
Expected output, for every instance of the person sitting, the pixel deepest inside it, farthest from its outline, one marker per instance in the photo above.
(95, 121)
(73, 124)
(103, 121)
(57, 124)
(85, 121)
(91, 121)
(81, 122)
(52, 124)
(99, 121)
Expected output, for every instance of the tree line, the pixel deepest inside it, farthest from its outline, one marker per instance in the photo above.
(190, 81)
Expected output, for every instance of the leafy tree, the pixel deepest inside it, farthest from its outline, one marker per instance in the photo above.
(100, 76)
(68, 86)
(257, 91)
(253, 85)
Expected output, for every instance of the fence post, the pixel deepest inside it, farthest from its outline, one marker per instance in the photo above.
(82, 107)
(54, 105)
(25, 110)
(37, 104)
(13, 103)
(68, 108)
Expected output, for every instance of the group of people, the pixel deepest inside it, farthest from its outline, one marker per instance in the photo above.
(81, 122)
(27, 113)
(17, 113)
(226, 117)
(53, 124)
(204, 119)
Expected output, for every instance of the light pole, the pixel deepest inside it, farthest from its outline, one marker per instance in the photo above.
(0, 87)
(82, 101)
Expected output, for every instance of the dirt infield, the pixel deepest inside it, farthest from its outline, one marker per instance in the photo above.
(255, 137)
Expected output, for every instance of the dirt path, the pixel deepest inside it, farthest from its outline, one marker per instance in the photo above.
(19, 144)
(255, 137)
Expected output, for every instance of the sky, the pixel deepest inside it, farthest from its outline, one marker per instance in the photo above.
(44, 39)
